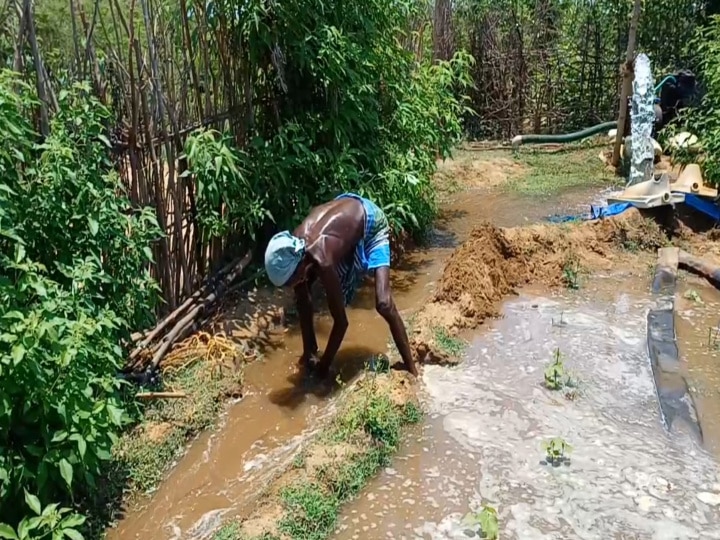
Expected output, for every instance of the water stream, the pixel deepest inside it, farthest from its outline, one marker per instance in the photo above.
(223, 471)
(642, 119)
(489, 417)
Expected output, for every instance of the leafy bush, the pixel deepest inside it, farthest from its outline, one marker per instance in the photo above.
(355, 112)
(705, 120)
(74, 281)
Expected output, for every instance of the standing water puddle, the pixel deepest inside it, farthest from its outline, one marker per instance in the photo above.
(488, 418)
(224, 471)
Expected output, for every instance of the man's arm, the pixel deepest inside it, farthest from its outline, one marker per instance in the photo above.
(305, 313)
(336, 304)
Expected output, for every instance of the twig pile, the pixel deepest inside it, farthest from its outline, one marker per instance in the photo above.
(152, 346)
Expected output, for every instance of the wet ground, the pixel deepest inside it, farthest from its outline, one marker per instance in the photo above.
(489, 417)
(223, 471)
(697, 325)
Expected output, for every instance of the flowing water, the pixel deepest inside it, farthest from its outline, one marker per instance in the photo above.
(482, 444)
(642, 119)
(487, 419)
(223, 471)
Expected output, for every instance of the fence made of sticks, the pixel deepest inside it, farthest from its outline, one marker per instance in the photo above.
(167, 69)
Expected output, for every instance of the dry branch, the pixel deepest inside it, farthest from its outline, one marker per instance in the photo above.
(160, 395)
(189, 316)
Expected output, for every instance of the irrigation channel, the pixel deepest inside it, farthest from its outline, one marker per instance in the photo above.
(481, 441)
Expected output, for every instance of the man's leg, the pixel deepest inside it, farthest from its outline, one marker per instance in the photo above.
(385, 306)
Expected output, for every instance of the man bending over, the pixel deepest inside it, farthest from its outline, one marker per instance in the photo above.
(338, 242)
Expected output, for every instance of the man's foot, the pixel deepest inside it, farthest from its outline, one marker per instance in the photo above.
(320, 370)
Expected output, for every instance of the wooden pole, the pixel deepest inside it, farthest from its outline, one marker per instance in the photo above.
(627, 73)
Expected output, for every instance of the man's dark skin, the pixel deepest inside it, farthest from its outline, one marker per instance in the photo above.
(331, 232)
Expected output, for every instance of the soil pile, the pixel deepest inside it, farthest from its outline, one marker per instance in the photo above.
(493, 262)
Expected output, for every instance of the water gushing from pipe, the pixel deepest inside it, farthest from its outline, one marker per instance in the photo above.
(642, 118)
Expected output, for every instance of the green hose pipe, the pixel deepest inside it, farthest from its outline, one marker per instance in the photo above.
(564, 138)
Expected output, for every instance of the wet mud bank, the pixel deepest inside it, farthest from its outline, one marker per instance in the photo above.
(494, 262)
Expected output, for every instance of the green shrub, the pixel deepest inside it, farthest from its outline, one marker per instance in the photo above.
(74, 281)
(355, 112)
(704, 121)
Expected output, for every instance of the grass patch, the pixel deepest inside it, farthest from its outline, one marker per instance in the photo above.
(451, 345)
(337, 463)
(144, 454)
(549, 173)
(149, 449)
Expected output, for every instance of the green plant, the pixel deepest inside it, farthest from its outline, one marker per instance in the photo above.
(704, 121)
(692, 294)
(452, 345)
(379, 363)
(45, 523)
(74, 282)
(714, 337)
(571, 273)
(299, 460)
(486, 521)
(555, 376)
(557, 451)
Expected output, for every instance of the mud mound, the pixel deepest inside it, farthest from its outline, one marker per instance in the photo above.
(493, 262)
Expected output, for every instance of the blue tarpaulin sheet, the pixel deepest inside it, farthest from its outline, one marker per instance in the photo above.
(596, 212)
(599, 212)
(705, 206)
(696, 202)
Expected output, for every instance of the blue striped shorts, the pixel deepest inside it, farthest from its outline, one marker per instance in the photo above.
(372, 252)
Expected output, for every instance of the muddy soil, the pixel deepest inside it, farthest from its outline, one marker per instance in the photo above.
(226, 473)
(494, 262)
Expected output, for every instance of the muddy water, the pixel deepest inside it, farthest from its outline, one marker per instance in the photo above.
(697, 326)
(489, 417)
(223, 471)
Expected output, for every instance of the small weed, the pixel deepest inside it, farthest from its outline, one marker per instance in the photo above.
(694, 296)
(379, 363)
(557, 377)
(451, 345)
(556, 452)
(311, 511)
(560, 321)
(572, 273)
(714, 338)
(484, 523)
(299, 460)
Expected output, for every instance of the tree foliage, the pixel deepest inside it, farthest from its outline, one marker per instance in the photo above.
(552, 65)
(704, 121)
